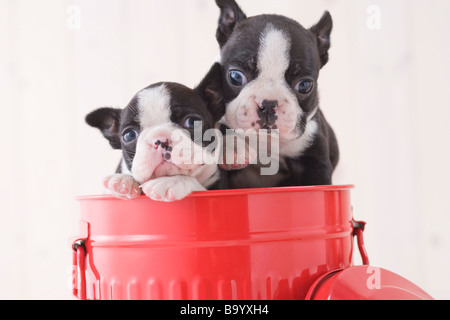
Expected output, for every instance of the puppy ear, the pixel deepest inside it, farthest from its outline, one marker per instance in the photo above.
(322, 31)
(211, 91)
(108, 121)
(230, 14)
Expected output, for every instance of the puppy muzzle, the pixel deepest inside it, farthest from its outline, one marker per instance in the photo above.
(267, 114)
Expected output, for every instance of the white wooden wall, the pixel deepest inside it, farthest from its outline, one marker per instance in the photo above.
(386, 92)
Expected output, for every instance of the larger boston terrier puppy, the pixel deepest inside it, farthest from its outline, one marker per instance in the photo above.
(144, 130)
(270, 67)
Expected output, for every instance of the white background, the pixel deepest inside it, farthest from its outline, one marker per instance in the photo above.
(385, 91)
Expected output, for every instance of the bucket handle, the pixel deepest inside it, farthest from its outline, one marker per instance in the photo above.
(358, 229)
(79, 259)
(79, 270)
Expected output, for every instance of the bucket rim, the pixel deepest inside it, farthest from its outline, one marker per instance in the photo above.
(236, 192)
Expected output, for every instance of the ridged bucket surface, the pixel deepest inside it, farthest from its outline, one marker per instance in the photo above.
(231, 244)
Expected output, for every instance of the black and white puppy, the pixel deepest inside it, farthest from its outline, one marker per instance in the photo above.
(144, 130)
(270, 67)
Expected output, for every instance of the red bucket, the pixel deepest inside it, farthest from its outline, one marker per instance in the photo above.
(228, 244)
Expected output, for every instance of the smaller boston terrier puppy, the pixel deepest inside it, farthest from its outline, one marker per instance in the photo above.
(270, 68)
(144, 130)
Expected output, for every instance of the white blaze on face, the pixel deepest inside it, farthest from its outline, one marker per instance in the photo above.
(154, 106)
(273, 55)
(272, 62)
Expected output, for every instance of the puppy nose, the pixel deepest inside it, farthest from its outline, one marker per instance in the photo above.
(268, 106)
(162, 143)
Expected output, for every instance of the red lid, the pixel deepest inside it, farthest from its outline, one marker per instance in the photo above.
(365, 283)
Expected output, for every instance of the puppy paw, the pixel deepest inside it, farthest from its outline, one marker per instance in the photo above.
(122, 186)
(171, 188)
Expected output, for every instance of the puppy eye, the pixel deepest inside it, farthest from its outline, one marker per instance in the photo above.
(304, 86)
(129, 135)
(190, 121)
(237, 78)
